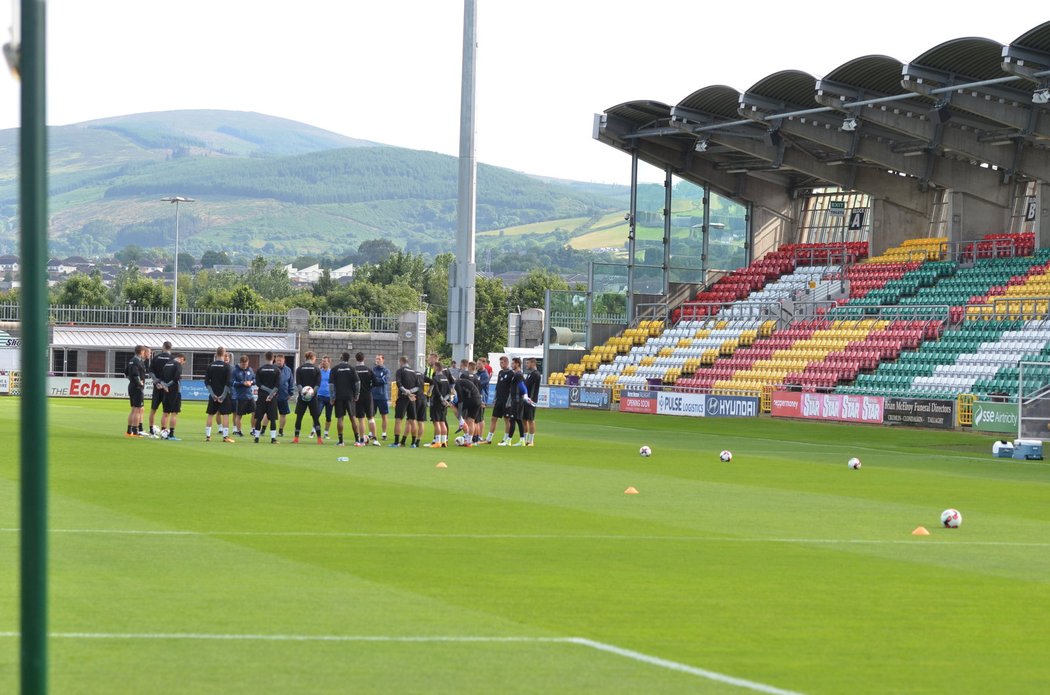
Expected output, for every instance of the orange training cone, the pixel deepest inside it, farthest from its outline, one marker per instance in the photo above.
(920, 531)
(441, 464)
(630, 491)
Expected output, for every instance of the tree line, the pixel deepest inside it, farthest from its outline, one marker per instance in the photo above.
(388, 286)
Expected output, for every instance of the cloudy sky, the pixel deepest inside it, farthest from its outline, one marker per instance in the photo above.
(390, 71)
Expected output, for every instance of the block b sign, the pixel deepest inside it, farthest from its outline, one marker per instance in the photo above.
(995, 417)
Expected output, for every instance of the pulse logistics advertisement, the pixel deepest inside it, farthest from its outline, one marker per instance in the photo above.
(684, 404)
(687, 404)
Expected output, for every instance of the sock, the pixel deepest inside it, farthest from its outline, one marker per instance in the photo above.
(225, 432)
(273, 435)
(171, 433)
(140, 427)
(128, 431)
(488, 438)
(340, 437)
(207, 431)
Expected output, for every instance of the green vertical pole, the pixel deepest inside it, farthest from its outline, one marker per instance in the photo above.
(33, 214)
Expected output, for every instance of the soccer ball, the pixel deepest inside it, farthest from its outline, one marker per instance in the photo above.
(155, 431)
(726, 456)
(461, 440)
(853, 463)
(163, 434)
(951, 518)
(307, 393)
(645, 451)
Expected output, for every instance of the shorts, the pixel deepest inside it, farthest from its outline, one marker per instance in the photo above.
(469, 410)
(364, 407)
(158, 397)
(282, 407)
(137, 396)
(528, 412)
(438, 411)
(421, 410)
(499, 408)
(173, 402)
(382, 405)
(244, 406)
(225, 407)
(267, 408)
(344, 407)
(401, 407)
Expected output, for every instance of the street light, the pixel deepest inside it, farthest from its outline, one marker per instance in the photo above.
(175, 200)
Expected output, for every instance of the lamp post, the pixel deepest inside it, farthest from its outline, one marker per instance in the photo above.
(175, 200)
(131, 308)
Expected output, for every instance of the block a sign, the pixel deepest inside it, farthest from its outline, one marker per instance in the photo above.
(839, 407)
(589, 398)
(995, 417)
(684, 404)
(731, 406)
(632, 401)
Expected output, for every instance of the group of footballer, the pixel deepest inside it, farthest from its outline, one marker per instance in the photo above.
(355, 391)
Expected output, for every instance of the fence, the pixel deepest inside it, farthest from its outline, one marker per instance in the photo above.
(147, 317)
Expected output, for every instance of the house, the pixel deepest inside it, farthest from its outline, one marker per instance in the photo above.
(9, 263)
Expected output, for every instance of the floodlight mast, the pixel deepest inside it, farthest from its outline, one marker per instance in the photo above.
(461, 297)
(175, 200)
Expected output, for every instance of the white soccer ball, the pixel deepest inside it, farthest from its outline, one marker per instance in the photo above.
(307, 393)
(461, 440)
(951, 518)
(853, 463)
(726, 455)
(645, 451)
(155, 431)
(163, 434)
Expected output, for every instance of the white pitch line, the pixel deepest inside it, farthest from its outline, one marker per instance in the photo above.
(681, 668)
(581, 641)
(529, 536)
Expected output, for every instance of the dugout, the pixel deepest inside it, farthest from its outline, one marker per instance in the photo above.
(103, 351)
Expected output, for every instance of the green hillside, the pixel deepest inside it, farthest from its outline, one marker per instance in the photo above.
(264, 184)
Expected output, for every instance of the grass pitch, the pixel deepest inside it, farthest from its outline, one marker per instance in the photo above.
(185, 567)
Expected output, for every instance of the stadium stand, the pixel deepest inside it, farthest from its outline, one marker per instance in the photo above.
(988, 308)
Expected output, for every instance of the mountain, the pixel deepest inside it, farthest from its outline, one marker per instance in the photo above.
(265, 185)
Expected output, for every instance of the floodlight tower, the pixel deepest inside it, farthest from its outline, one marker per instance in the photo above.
(175, 200)
(461, 301)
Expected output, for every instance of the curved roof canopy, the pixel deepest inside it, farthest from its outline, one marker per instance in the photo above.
(965, 113)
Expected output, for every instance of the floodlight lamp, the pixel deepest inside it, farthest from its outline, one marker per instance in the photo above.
(1041, 96)
(701, 145)
(849, 124)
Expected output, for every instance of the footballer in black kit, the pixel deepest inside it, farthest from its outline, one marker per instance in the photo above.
(440, 396)
(408, 391)
(469, 399)
(366, 410)
(156, 369)
(218, 379)
(135, 371)
(267, 379)
(345, 390)
(308, 374)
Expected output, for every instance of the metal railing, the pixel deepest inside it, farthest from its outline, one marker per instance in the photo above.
(578, 322)
(358, 323)
(161, 317)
